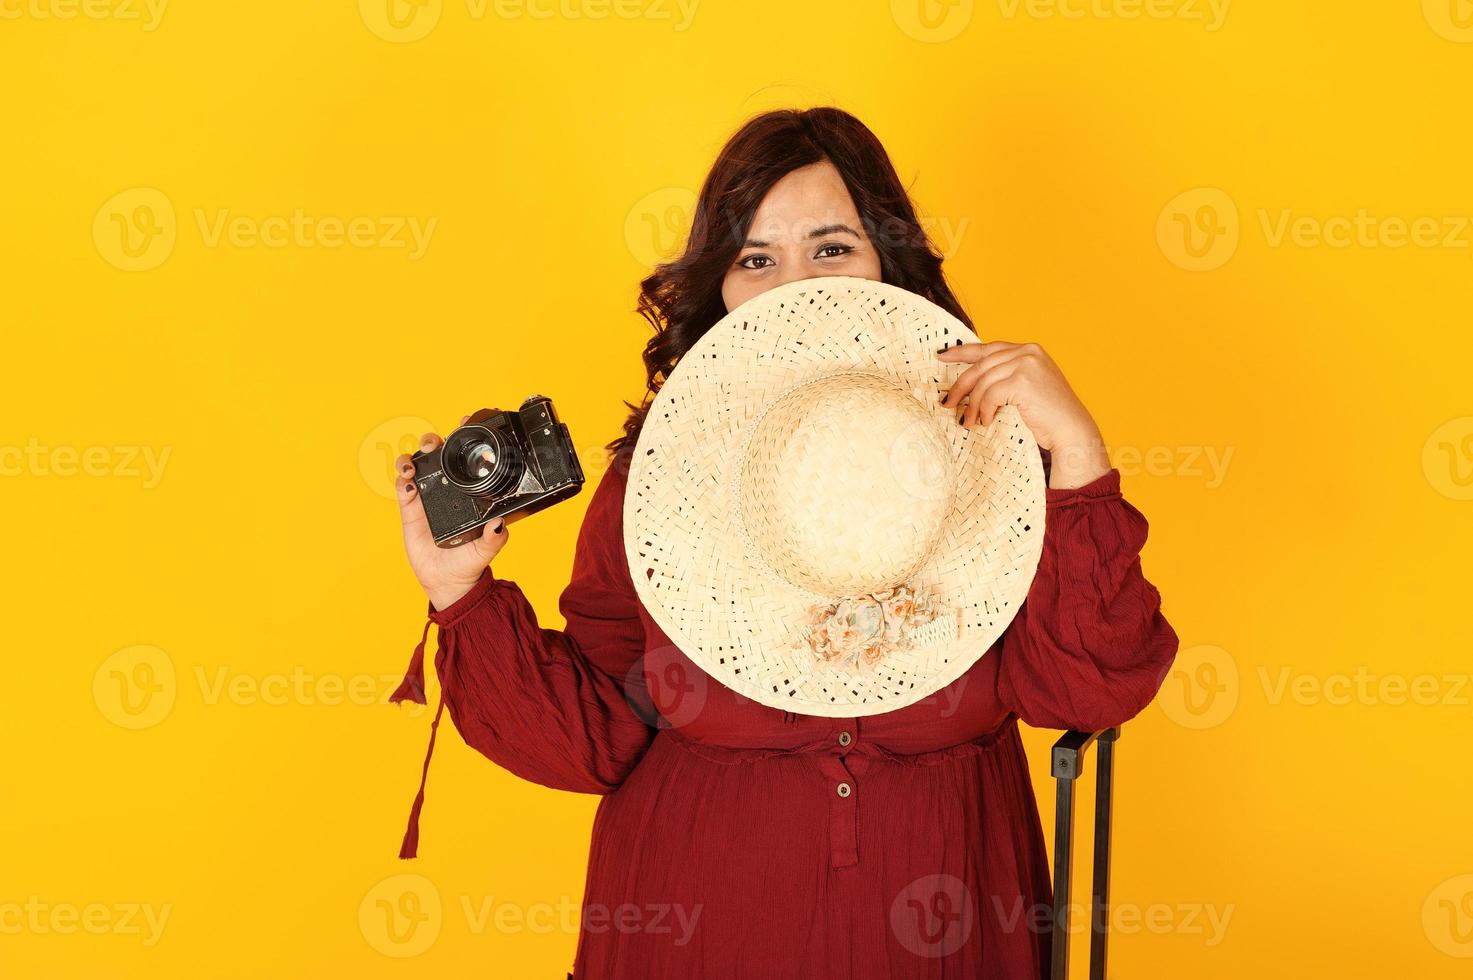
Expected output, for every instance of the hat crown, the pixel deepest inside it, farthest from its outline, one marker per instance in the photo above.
(846, 484)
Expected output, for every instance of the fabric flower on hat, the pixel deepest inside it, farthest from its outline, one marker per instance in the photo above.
(859, 632)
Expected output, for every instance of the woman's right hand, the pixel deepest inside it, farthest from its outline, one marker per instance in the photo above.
(445, 574)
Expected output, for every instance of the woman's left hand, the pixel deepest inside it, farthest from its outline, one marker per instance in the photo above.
(1024, 376)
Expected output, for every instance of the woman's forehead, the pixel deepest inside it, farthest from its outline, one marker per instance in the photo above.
(808, 200)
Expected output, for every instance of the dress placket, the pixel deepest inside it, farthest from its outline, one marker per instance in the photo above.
(843, 788)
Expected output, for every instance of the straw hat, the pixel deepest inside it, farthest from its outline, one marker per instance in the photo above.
(807, 522)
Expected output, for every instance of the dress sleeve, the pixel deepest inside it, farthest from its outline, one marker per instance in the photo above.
(1089, 647)
(558, 707)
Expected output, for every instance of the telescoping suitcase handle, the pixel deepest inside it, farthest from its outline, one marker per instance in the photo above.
(1066, 765)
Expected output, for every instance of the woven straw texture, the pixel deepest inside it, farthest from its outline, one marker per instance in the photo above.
(798, 455)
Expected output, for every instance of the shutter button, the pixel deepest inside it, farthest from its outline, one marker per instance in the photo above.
(845, 790)
(845, 738)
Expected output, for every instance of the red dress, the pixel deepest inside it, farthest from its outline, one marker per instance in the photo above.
(738, 842)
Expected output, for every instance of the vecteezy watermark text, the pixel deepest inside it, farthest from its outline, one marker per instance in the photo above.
(1210, 13)
(37, 917)
(35, 459)
(146, 13)
(136, 230)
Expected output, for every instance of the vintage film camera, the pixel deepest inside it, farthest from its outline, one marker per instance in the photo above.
(497, 465)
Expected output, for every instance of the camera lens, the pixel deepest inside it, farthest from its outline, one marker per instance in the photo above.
(477, 459)
(480, 461)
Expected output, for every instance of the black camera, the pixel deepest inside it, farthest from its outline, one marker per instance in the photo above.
(497, 465)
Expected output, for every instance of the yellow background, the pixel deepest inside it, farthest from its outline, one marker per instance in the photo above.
(1061, 155)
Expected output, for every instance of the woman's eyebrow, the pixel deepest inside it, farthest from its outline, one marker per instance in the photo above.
(815, 233)
(830, 229)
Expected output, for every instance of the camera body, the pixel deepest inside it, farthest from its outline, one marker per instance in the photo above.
(497, 465)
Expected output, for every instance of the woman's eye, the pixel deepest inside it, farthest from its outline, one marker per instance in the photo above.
(834, 251)
(761, 260)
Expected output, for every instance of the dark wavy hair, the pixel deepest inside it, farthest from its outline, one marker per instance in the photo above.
(682, 298)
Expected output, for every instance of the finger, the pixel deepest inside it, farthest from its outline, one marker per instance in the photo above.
(967, 380)
(429, 442)
(403, 465)
(494, 535)
(958, 352)
(994, 390)
(463, 420)
(411, 508)
(983, 400)
(973, 351)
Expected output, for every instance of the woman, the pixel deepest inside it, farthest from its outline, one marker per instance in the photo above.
(721, 848)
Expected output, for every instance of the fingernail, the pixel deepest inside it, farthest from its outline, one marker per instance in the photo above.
(498, 527)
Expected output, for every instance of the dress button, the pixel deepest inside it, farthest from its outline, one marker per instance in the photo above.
(845, 789)
(845, 738)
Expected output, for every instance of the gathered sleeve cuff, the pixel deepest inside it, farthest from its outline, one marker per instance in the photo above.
(1089, 647)
(560, 707)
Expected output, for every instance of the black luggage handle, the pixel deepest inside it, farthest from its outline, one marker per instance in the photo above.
(1066, 765)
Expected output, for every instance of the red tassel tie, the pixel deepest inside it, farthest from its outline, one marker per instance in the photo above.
(412, 688)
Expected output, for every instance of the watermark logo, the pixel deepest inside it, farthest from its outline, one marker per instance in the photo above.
(1364, 687)
(1206, 463)
(135, 687)
(933, 916)
(125, 462)
(932, 21)
(655, 228)
(407, 21)
(146, 13)
(1201, 688)
(301, 230)
(1447, 917)
(673, 920)
(1209, 464)
(919, 463)
(138, 687)
(401, 21)
(386, 443)
(657, 224)
(1210, 13)
(1363, 230)
(135, 229)
(404, 915)
(1447, 459)
(1198, 230)
(1451, 19)
(1207, 921)
(401, 915)
(666, 688)
(38, 917)
(298, 687)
